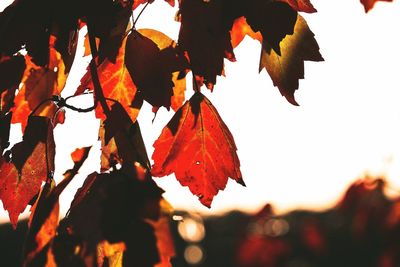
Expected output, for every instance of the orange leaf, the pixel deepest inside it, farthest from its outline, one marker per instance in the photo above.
(369, 4)
(286, 69)
(39, 83)
(301, 5)
(31, 161)
(239, 30)
(197, 146)
(116, 83)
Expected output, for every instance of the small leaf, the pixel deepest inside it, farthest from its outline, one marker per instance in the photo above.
(286, 69)
(197, 146)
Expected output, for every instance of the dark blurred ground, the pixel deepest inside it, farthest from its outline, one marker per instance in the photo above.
(361, 230)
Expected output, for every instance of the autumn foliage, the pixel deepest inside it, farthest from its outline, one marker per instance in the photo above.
(118, 216)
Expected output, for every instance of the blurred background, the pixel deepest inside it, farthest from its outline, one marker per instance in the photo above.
(361, 229)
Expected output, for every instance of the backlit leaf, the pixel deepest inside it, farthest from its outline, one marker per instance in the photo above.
(286, 69)
(240, 29)
(197, 146)
(39, 84)
(116, 83)
(30, 163)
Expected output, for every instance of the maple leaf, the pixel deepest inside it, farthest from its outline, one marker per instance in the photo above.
(116, 83)
(204, 35)
(197, 146)
(301, 5)
(31, 162)
(286, 69)
(151, 65)
(39, 84)
(369, 4)
(179, 62)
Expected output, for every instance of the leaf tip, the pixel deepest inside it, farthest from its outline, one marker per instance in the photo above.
(241, 182)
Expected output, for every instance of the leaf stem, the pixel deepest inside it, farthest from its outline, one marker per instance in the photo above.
(99, 96)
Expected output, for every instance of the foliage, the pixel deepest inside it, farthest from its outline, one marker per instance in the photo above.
(118, 217)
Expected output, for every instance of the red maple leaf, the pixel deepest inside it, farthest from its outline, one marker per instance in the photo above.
(31, 162)
(198, 147)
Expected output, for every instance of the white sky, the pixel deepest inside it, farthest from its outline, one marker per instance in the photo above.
(348, 122)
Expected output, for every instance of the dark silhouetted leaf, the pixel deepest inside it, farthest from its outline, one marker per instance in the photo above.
(204, 35)
(151, 66)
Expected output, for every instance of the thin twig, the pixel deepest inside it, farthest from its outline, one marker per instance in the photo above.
(135, 21)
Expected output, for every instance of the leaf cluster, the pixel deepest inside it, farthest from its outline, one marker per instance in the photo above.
(116, 216)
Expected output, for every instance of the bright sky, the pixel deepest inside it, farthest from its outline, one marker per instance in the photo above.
(347, 125)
